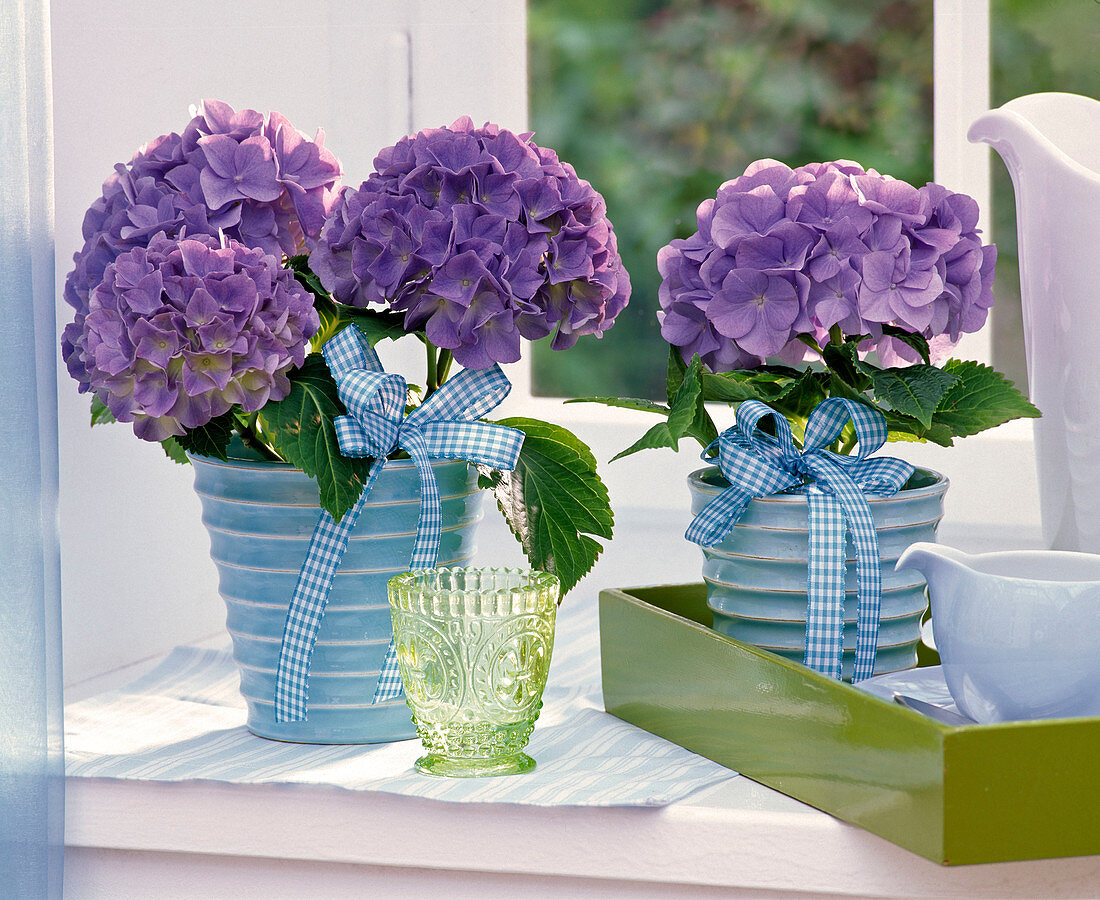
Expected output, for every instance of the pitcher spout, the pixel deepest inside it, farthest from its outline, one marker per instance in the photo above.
(1008, 133)
(1043, 130)
(935, 562)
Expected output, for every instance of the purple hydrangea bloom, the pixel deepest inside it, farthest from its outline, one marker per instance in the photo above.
(182, 330)
(263, 184)
(480, 237)
(756, 309)
(781, 252)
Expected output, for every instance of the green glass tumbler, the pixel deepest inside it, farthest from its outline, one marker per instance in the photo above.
(473, 647)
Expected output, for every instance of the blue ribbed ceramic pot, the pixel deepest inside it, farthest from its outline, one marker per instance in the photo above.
(756, 578)
(260, 517)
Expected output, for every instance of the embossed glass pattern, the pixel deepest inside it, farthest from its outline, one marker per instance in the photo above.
(473, 646)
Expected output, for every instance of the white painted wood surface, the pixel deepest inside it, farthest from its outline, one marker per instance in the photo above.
(738, 840)
(961, 73)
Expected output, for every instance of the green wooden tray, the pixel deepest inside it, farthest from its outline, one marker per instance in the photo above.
(969, 794)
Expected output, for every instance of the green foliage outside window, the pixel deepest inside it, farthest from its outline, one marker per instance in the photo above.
(657, 103)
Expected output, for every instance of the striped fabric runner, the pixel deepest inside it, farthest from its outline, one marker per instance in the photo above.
(183, 721)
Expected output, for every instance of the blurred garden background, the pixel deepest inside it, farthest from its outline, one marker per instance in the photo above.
(657, 103)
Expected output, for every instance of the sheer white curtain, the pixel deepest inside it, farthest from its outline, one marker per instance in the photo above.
(31, 764)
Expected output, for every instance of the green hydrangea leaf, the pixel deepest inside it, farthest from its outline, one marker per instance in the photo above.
(101, 415)
(327, 308)
(685, 404)
(687, 416)
(702, 427)
(375, 325)
(915, 391)
(835, 386)
(914, 340)
(844, 362)
(980, 398)
(678, 373)
(729, 388)
(331, 322)
(300, 427)
(635, 403)
(554, 501)
(800, 395)
(657, 436)
(675, 372)
(174, 451)
(767, 383)
(907, 428)
(299, 265)
(686, 413)
(210, 439)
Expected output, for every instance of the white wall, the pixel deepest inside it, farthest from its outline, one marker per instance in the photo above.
(136, 575)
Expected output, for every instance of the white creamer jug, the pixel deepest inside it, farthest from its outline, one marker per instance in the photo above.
(1017, 631)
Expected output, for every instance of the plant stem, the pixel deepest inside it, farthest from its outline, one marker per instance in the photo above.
(250, 437)
(836, 336)
(847, 444)
(433, 373)
(443, 368)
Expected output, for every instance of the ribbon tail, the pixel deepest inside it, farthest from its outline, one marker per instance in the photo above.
(429, 529)
(861, 524)
(307, 606)
(717, 518)
(870, 597)
(389, 679)
(825, 603)
(425, 549)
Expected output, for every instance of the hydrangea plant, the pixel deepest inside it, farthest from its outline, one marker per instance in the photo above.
(866, 280)
(478, 237)
(257, 181)
(180, 332)
(218, 261)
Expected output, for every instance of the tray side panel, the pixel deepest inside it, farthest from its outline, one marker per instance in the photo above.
(822, 742)
(1023, 790)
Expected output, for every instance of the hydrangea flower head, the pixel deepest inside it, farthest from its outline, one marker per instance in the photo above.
(181, 330)
(480, 237)
(261, 183)
(781, 252)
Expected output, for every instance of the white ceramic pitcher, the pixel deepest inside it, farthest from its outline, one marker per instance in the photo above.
(1051, 146)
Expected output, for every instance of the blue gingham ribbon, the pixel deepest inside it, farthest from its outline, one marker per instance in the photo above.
(756, 464)
(445, 426)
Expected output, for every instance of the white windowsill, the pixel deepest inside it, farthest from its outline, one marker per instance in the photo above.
(738, 835)
(204, 839)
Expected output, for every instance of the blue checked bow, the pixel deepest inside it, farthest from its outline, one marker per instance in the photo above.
(445, 426)
(756, 464)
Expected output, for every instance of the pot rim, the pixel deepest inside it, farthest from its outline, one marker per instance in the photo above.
(939, 486)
